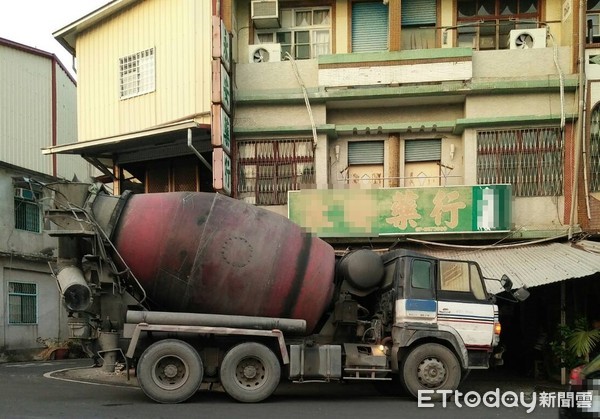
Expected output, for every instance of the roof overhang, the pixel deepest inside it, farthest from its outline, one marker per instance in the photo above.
(67, 35)
(134, 141)
(172, 140)
(529, 265)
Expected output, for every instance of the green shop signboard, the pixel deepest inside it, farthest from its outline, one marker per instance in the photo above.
(399, 211)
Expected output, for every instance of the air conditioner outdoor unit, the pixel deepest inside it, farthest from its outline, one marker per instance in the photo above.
(528, 38)
(23, 193)
(264, 53)
(265, 13)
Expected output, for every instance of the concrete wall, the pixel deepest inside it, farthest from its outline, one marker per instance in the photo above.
(23, 258)
(51, 316)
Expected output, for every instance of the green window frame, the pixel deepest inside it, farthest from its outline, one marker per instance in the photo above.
(27, 210)
(22, 303)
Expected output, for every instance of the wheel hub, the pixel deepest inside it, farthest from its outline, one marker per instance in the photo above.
(170, 371)
(431, 372)
(249, 371)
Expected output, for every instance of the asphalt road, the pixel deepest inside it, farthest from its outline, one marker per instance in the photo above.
(26, 393)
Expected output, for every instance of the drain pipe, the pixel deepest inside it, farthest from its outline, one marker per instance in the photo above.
(580, 122)
(196, 152)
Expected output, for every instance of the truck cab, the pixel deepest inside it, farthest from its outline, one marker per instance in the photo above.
(431, 319)
(440, 302)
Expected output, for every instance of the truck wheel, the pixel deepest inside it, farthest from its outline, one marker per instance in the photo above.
(170, 371)
(250, 372)
(430, 367)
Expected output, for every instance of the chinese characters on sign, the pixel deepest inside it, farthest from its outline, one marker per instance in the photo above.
(375, 212)
(222, 106)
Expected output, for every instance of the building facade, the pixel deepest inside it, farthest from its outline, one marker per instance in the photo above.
(414, 123)
(31, 305)
(39, 109)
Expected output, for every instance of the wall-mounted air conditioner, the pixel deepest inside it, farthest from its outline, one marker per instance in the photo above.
(528, 38)
(23, 193)
(264, 53)
(265, 14)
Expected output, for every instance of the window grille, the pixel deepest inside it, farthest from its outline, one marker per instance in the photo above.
(22, 303)
(305, 32)
(267, 170)
(137, 74)
(531, 160)
(28, 214)
(486, 24)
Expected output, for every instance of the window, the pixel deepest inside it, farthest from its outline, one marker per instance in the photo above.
(28, 212)
(137, 74)
(595, 150)
(531, 160)
(419, 19)
(421, 274)
(305, 32)
(267, 170)
(593, 22)
(461, 277)
(22, 303)
(179, 174)
(369, 27)
(365, 163)
(486, 24)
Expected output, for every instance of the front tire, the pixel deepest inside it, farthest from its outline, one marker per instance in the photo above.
(430, 367)
(250, 372)
(170, 371)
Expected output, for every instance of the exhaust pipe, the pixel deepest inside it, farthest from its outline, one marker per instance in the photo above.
(77, 296)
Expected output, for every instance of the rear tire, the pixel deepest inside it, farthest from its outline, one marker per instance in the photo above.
(430, 367)
(250, 372)
(170, 371)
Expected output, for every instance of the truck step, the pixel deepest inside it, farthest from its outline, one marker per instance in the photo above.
(367, 373)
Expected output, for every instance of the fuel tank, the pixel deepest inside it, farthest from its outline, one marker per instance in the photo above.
(208, 253)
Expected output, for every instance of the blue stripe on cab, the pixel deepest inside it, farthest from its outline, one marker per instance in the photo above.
(421, 305)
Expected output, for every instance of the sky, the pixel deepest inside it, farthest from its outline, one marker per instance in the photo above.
(32, 22)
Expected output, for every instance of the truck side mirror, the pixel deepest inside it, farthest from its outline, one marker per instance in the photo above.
(506, 283)
(520, 294)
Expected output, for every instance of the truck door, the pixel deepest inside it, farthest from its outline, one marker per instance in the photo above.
(417, 302)
(463, 304)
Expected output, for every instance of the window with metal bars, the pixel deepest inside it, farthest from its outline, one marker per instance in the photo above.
(531, 160)
(28, 214)
(595, 150)
(267, 170)
(486, 24)
(137, 74)
(22, 303)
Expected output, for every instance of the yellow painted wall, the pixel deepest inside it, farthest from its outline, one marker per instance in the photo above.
(180, 33)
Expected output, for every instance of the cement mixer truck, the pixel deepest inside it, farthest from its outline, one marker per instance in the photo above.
(192, 288)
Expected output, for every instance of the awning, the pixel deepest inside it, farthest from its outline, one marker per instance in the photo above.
(131, 141)
(530, 265)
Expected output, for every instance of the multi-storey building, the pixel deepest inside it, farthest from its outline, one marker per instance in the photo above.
(398, 121)
(38, 101)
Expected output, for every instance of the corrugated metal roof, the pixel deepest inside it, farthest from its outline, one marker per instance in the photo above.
(532, 265)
